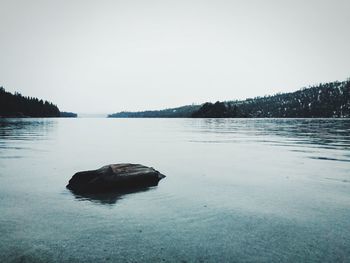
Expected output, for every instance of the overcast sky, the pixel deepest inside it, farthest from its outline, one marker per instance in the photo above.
(106, 56)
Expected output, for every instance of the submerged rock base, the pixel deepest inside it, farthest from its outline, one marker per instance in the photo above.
(114, 177)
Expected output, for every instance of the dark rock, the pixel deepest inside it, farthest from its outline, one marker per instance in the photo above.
(114, 177)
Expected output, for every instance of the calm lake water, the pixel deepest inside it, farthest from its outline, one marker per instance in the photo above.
(237, 190)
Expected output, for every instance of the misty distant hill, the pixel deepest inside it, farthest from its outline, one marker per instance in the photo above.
(65, 114)
(323, 100)
(180, 112)
(16, 105)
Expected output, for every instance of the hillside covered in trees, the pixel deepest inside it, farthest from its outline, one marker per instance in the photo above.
(16, 105)
(323, 100)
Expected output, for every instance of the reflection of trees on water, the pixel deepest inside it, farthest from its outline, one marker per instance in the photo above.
(19, 134)
(308, 133)
(26, 129)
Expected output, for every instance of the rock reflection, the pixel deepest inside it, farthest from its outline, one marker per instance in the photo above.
(109, 198)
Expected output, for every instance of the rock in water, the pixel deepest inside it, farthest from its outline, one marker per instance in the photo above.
(114, 177)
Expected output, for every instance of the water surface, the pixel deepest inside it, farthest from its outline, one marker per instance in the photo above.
(237, 190)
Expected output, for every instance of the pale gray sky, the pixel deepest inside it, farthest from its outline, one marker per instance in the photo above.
(106, 56)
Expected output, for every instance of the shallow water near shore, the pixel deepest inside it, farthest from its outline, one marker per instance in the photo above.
(237, 190)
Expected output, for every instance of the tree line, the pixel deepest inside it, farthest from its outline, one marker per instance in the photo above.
(16, 105)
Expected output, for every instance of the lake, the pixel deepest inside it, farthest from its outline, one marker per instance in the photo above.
(237, 190)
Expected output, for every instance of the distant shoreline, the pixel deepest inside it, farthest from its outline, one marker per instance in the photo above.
(328, 100)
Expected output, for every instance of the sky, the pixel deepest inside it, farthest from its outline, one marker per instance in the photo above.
(106, 56)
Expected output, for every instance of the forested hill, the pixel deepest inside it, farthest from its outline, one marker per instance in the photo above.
(16, 105)
(323, 100)
(180, 112)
